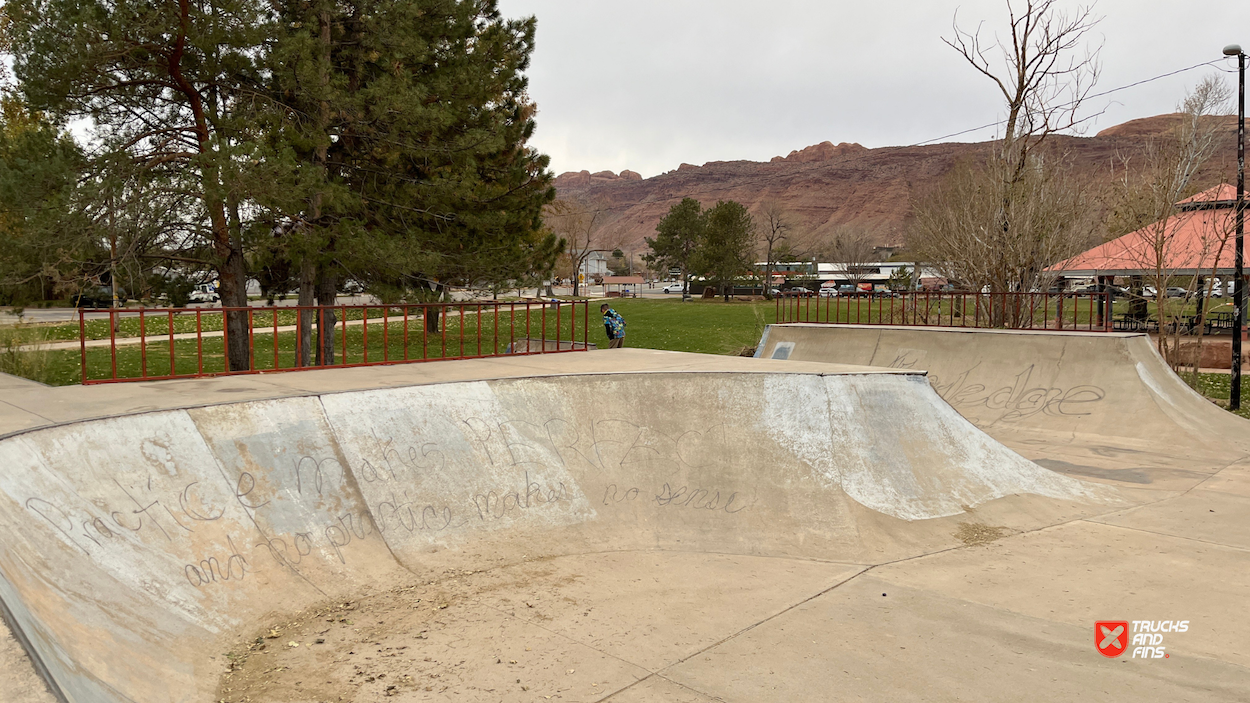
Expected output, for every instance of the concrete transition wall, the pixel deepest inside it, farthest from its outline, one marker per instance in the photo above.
(1099, 405)
(136, 547)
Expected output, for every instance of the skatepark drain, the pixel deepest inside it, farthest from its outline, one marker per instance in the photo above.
(971, 533)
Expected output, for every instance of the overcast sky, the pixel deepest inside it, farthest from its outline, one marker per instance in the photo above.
(648, 84)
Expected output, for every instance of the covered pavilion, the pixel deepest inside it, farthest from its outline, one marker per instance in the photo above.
(1196, 241)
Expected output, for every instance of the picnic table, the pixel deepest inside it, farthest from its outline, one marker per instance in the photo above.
(1188, 323)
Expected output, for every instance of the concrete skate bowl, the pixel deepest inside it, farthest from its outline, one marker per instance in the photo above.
(140, 550)
(1103, 406)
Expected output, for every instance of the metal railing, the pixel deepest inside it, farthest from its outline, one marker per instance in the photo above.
(1019, 311)
(149, 344)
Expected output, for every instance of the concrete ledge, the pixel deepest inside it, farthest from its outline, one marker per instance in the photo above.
(27, 405)
(964, 330)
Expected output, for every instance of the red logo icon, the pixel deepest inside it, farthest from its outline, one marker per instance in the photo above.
(1111, 637)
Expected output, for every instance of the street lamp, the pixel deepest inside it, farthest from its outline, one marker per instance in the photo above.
(1239, 285)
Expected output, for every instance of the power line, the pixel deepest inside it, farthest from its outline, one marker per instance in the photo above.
(1071, 103)
(874, 152)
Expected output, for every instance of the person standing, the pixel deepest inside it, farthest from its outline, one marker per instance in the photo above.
(614, 325)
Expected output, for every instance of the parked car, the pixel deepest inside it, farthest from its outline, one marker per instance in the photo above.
(98, 297)
(1100, 288)
(1219, 289)
(797, 293)
(199, 296)
(1177, 292)
(674, 287)
(828, 292)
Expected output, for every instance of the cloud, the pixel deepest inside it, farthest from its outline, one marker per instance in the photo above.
(649, 84)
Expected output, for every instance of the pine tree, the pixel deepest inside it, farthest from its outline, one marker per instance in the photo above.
(678, 236)
(724, 252)
(39, 166)
(410, 121)
(161, 83)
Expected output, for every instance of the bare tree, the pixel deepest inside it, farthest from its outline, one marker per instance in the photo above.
(580, 224)
(1044, 72)
(853, 248)
(958, 227)
(774, 227)
(1151, 190)
(1001, 223)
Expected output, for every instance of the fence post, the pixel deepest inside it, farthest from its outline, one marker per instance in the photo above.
(143, 346)
(225, 342)
(173, 364)
(199, 343)
(82, 340)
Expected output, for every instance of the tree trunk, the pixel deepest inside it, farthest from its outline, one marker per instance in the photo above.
(236, 264)
(232, 276)
(307, 298)
(433, 313)
(313, 283)
(327, 295)
(768, 272)
(232, 268)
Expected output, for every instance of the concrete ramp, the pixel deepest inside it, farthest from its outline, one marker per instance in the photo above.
(1096, 405)
(137, 548)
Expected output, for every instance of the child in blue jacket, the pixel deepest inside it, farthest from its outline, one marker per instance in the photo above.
(614, 325)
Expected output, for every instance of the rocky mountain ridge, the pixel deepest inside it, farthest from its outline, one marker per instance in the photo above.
(829, 186)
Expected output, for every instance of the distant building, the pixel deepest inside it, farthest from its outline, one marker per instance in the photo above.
(807, 267)
(596, 264)
(875, 272)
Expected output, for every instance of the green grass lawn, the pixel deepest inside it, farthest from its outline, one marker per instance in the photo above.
(473, 335)
(706, 326)
(1216, 385)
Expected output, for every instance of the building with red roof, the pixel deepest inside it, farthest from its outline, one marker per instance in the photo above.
(1193, 241)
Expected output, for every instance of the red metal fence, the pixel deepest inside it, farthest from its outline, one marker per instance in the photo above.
(150, 344)
(1019, 311)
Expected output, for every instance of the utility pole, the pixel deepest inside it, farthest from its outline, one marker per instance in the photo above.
(1239, 284)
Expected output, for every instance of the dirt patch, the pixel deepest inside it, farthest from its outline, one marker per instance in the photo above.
(575, 628)
(971, 533)
(408, 641)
